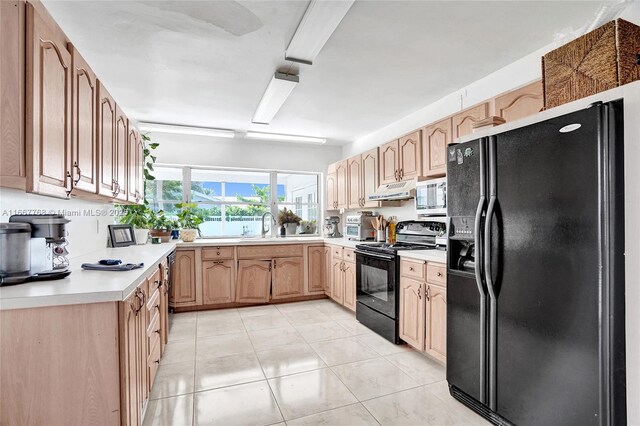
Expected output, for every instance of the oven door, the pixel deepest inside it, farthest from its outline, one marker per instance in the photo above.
(431, 197)
(376, 281)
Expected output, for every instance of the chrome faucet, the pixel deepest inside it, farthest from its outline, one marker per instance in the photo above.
(263, 230)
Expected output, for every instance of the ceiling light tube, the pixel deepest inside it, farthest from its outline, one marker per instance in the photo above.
(277, 92)
(185, 130)
(285, 138)
(318, 23)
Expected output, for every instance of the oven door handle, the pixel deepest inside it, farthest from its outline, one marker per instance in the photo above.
(376, 255)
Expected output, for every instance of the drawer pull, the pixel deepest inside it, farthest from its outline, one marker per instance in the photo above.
(411, 268)
(157, 361)
(218, 253)
(439, 274)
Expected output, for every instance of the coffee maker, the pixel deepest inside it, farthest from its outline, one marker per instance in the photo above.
(331, 228)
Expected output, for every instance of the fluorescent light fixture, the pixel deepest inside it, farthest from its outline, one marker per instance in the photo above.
(318, 23)
(277, 92)
(185, 130)
(285, 138)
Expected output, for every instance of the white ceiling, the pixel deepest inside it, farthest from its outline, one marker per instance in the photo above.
(207, 63)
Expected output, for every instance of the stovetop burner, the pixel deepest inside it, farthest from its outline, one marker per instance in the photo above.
(393, 248)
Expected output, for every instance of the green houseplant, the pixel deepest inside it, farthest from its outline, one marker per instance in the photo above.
(137, 216)
(189, 219)
(308, 227)
(160, 225)
(289, 220)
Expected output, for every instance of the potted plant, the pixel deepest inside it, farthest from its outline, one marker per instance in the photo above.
(160, 226)
(308, 227)
(189, 220)
(138, 217)
(289, 220)
(174, 225)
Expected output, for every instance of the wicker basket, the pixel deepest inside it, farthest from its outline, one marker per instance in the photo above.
(607, 57)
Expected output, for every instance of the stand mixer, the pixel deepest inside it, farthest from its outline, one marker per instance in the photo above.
(331, 228)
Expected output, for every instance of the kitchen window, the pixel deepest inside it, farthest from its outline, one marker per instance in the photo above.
(233, 201)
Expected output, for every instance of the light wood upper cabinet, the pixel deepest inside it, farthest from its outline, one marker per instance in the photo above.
(412, 313)
(287, 278)
(434, 148)
(183, 290)
(410, 165)
(436, 337)
(332, 188)
(369, 176)
(134, 166)
(218, 282)
(106, 142)
(354, 186)
(254, 281)
(462, 122)
(48, 108)
(520, 103)
(349, 281)
(316, 269)
(122, 127)
(341, 185)
(388, 157)
(84, 156)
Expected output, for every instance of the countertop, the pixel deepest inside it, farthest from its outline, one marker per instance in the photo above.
(255, 241)
(88, 286)
(439, 256)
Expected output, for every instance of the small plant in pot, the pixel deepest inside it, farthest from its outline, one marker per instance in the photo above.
(137, 216)
(289, 220)
(161, 226)
(308, 227)
(189, 219)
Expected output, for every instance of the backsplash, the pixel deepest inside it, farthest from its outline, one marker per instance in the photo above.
(89, 219)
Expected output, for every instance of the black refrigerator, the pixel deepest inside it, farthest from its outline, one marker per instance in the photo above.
(535, 274)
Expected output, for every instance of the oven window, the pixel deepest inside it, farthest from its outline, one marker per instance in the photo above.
(374, 282)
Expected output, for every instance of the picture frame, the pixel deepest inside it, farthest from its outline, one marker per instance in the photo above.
(121, 235)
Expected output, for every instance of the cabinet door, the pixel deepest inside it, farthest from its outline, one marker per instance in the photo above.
(106, 142)
(462, 122)
(164, 307)
(129, 311)
(218, 282)
(369, 177)
(412, 313)
(341, 185)
(410, 158)
(327, 270)
(142, 342)
(122, 124)
(349, 300)
(332, 188)
(436, 339)
(354, 184)
(436, 137)
(134, 164)
(140, 170)
(316, 268)
(337, 280)
(84, 146)
(183, 290)
(520, 103)
(288, 277)
(254, 281)
(48, 119)
(389, 159)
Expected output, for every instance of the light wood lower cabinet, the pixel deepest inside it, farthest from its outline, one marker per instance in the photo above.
(218, 282)
(287, 277)
(254, 280)
(183, 290)
(130, 337)
(436, 330)
(316, 269)
(343, 278)
(412, 313)
(337, 280)
(349, 298)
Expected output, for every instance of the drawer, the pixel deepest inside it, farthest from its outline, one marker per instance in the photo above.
(153, 329)
(154, 280)
(412, 269)
(154, 300)
(337, 252)
(436, 273)
(215, 253)
(349, 254)
(269, 252)
(153, 360)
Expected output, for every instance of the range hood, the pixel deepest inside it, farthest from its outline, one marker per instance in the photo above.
(395, 191)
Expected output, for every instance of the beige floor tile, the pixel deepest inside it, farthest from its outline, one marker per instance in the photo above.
(343, 351)
(351, 415)
(176, 411)
(441, 390)
(172, 380)
(322, 331)
(418, 366)
(183, 318)
(263, 322)
(308, 393)
(272, 338)
(182, 331)
(373, 378)
(382, 345)
(247, 404)
(296, 306)
(307, 316)
(258, 310)
(227, 344)
(219, 326)
(220, 314)
(354, 327)
(228, 370)
(179, 351)
(289, 359)
(336, 312)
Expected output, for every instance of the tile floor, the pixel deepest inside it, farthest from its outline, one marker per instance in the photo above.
(306, 363)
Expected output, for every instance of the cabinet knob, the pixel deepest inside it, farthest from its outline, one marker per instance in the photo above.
(411, 268)
(439, 274)
(218, 253)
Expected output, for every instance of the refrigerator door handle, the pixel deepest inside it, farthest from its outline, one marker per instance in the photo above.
(483, 300)
(492, 304)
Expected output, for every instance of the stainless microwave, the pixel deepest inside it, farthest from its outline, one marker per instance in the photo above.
(431, 197)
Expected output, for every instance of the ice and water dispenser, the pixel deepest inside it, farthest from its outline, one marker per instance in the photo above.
(461, 249)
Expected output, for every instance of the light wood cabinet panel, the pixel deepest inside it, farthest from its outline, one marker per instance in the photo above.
(12, 68)
(134, 166)
(337, 280)
(327, 270)
(254, 281)
(369, 177)
(48, 108)
(164, 307)
(287, 277)
(269, 252)
(349, 280)
(130, 394)
(414, 269)
(412, 313)
(140, 169)
(520, 103)
(331, 188)
(462, 123)
(436, 137)
(84, 146)
(143, 345)
(437, 274)
(354, 184)
(436, 338)
(316, 269)
(183, 290)
(217, 253)
(218, 281)
(389, 158)
(106, 142)
(122, 126)
(410, 158)
(341, 185)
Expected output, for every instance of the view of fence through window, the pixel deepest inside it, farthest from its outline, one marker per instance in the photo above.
(232, 202)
